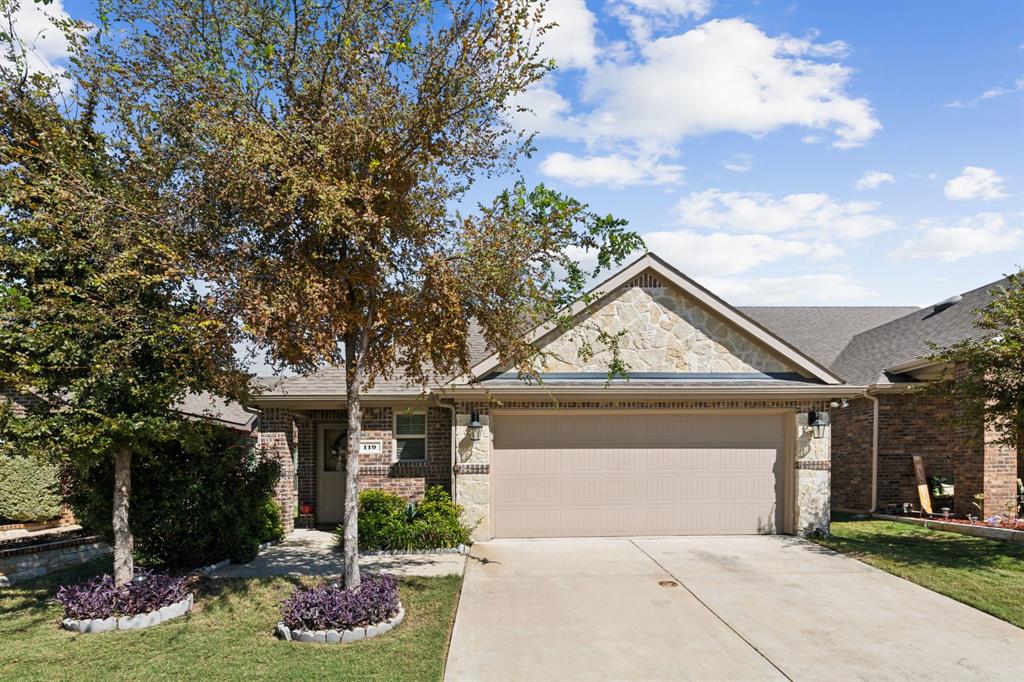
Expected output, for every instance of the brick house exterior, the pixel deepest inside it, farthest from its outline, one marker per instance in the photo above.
(868, 354)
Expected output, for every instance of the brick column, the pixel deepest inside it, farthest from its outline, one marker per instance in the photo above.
(278, 436)
(983, 466)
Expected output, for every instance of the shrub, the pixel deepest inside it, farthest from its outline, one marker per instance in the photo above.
(29, 489)
(329, 607)
(386, 521)
(99, 598)
(196, 501)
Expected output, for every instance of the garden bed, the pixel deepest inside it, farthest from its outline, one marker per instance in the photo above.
(138, 621)
(328, 613)
(98, 605)
(963, 526)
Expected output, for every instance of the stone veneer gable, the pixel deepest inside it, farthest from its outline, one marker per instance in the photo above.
(662, 331)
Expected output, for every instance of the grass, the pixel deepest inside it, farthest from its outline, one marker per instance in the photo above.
(228, 636)
(985, 574)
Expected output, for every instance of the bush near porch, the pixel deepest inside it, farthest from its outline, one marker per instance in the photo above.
(195, 502)
(29, 490)
(388, 522)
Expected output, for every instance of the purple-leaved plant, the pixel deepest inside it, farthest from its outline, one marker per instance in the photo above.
(98, 597)
(330, 607)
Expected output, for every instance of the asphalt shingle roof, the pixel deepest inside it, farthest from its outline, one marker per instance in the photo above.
(822, 331)
(855, 342)
(908, 338)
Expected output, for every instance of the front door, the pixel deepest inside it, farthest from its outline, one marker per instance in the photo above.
(330, 474)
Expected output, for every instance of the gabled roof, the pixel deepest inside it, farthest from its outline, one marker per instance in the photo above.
(906, 339)
(674, 277)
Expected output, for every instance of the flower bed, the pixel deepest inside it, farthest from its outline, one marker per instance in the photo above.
(330, 613)
(98, 605)
(997, 522)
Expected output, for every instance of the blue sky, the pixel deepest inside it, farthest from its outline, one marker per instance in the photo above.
(817, 153)
(754, 190)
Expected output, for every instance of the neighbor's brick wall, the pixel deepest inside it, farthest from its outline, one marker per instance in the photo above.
(908, 424)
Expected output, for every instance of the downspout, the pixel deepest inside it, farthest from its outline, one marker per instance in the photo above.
(454, 467)
(874, 452)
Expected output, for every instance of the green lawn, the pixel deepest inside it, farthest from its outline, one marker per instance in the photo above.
(986, 574)
(228, 636)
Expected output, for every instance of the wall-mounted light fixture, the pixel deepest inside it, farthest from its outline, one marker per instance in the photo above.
(817, 421)
(475, 427)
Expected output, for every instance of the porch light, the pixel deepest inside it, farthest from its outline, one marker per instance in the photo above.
(475, 427)
(816, 422)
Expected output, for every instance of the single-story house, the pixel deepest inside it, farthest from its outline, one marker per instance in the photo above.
(732, 420)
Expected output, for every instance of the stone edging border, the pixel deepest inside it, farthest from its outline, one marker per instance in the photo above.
(340, 636)
(142, 620)
(988, 532)
(461, 549)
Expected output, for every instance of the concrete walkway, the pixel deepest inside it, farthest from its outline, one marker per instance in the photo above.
(722, 608)
(311, 552)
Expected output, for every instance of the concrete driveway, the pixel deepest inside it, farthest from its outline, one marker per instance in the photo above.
(742, 608)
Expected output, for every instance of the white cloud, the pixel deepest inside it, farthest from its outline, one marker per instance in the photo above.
(948, 241)
(689, 9)
(873, 180)
(46, 45)
(727, 254)
(739, 163)
(573, 42)
(725, 75)
(817, 215)
(821, 289)
(543, 110)
(976, 183)
(1018, 86)
(614, 170)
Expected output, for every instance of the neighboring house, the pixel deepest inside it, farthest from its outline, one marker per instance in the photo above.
(709, 434)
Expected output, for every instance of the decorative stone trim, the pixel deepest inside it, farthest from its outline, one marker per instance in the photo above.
(990, 533)
(473, 468)
(340, 636)
(142, 620)
(815, 465)
(19, 564)
(460, 549)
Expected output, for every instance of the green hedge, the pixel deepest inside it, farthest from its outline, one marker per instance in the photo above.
(194, 502)
(386, 521)
(29, 489)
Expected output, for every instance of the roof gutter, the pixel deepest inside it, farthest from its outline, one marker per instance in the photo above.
(911, 365)
(820, 391)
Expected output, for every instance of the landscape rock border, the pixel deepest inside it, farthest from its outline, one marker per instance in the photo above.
(142, 620)
(340, 636)
(988, 532)
(460, 549)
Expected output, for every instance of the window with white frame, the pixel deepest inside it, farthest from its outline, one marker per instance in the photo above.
(410, 435)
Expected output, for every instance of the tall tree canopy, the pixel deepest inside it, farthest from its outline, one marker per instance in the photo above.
(992, 391)
(99, 318)
(319, 150)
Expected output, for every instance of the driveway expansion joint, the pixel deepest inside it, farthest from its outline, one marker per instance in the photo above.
(711, 610)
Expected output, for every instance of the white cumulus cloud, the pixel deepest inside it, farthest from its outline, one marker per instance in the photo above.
(727, 254)
(821, 289)
(873, 180)
(952, 240)
(46, 46)
(725, 75)
(816, 215)
(976, 183)
(613, 170)
(572, 43)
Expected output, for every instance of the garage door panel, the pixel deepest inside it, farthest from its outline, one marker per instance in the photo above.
(592, 475)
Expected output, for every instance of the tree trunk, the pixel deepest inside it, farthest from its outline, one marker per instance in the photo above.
(353, 386)
(124, 542)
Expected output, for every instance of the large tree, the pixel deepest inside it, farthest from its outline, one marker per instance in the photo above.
(99, 318)
(991, 391)
(320, 150)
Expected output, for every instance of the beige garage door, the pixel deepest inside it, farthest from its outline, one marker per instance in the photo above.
(570, 475)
